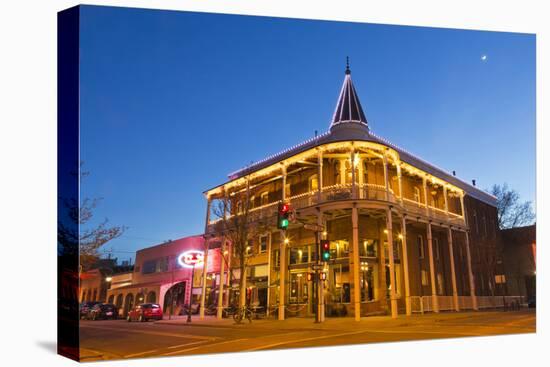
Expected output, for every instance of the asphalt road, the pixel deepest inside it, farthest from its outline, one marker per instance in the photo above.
(117, 339)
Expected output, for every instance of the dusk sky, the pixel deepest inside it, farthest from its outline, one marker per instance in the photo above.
(171, 102)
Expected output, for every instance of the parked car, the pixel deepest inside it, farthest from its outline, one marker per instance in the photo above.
(145, 312)
(103, 311)
(85, 307)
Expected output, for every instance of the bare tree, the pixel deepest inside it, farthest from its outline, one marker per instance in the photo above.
(235, 222)
(512, 212)
(74, 235)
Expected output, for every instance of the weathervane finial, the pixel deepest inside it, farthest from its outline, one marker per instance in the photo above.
(347, 65)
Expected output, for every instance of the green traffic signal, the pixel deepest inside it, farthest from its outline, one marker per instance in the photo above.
(284, 223)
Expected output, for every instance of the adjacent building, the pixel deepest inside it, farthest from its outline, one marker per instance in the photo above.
(161, 275)
(519, 248)
(405, 236)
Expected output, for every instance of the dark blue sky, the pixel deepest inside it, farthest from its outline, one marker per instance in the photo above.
(171, 102)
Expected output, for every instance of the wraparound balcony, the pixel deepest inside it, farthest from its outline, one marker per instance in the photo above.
(361, 193)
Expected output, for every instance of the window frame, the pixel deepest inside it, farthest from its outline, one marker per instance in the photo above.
(420, 245)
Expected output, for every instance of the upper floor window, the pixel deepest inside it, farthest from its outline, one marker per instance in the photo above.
(287, 190)
(298, 255)
(339, 249)
(155, 266)
(417, 194)
(251, 203)
(369, 248)
(436, 248)
(239, 207)
(424, 274)
(263, 243)
(276, 258)
(313, 183)
(337, 172)
(420, 244)
(264, 198)
(395, 250)
(249, 248)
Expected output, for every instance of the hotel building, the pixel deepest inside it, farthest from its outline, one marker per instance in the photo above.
(405, 236)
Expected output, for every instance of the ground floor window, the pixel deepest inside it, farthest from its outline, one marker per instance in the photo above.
(298, 292)
(368, 248)
(366, 279)
(339, 284)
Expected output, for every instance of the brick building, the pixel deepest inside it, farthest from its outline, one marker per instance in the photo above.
(405, 236)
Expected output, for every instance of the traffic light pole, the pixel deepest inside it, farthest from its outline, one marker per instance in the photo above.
(319, 289)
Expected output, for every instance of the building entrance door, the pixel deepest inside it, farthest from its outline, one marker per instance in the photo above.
(174, 300)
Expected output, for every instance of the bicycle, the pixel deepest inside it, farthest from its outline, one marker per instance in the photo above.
(243, 313)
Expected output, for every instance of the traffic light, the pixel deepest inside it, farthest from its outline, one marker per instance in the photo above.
(322, 276)
(282, 215)
(325, 250)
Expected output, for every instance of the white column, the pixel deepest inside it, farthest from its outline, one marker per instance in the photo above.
(353, 184)
(360, 180)
(268, 273)
(432, 268)
(282, 260)
(355, 247)
(446, 200)
(393, 296)
(321, 284)
(204, 275)
(386, 181)
(425, 188)
(342, 171)
(220, 287)
(400, 182)
(406, 266)
(462, 205)
(319, 175)
(453, 273)
(470, 273)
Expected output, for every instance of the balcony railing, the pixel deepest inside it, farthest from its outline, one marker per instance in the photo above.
(341, 192)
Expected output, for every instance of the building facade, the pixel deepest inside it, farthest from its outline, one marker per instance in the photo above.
(405, 236)
(160, 276)
(519, 248)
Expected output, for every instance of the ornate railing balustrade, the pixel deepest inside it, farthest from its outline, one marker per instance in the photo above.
(342, 192)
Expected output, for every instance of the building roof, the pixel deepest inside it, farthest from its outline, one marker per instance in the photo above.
(348, 108)
(350, 124)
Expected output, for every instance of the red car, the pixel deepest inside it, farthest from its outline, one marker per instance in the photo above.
(145, 312)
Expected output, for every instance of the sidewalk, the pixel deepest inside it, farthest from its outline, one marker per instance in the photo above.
(333, 323)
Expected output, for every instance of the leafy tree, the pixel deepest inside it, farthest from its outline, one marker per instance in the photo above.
(512, 212)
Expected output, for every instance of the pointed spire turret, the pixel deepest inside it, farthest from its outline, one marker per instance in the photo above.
(348, 108)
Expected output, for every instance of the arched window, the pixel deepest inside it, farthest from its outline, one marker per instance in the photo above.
(313, 183)
(119, 301)
(111, 299)
(128, 303)
(140, 298)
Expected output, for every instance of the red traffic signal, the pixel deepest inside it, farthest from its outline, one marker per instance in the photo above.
(322, 276)
(325, 250)
(282, 215)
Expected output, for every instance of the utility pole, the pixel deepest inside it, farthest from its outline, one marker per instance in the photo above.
(191, 294)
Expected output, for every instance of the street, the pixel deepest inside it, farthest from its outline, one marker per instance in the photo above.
(115, 339)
